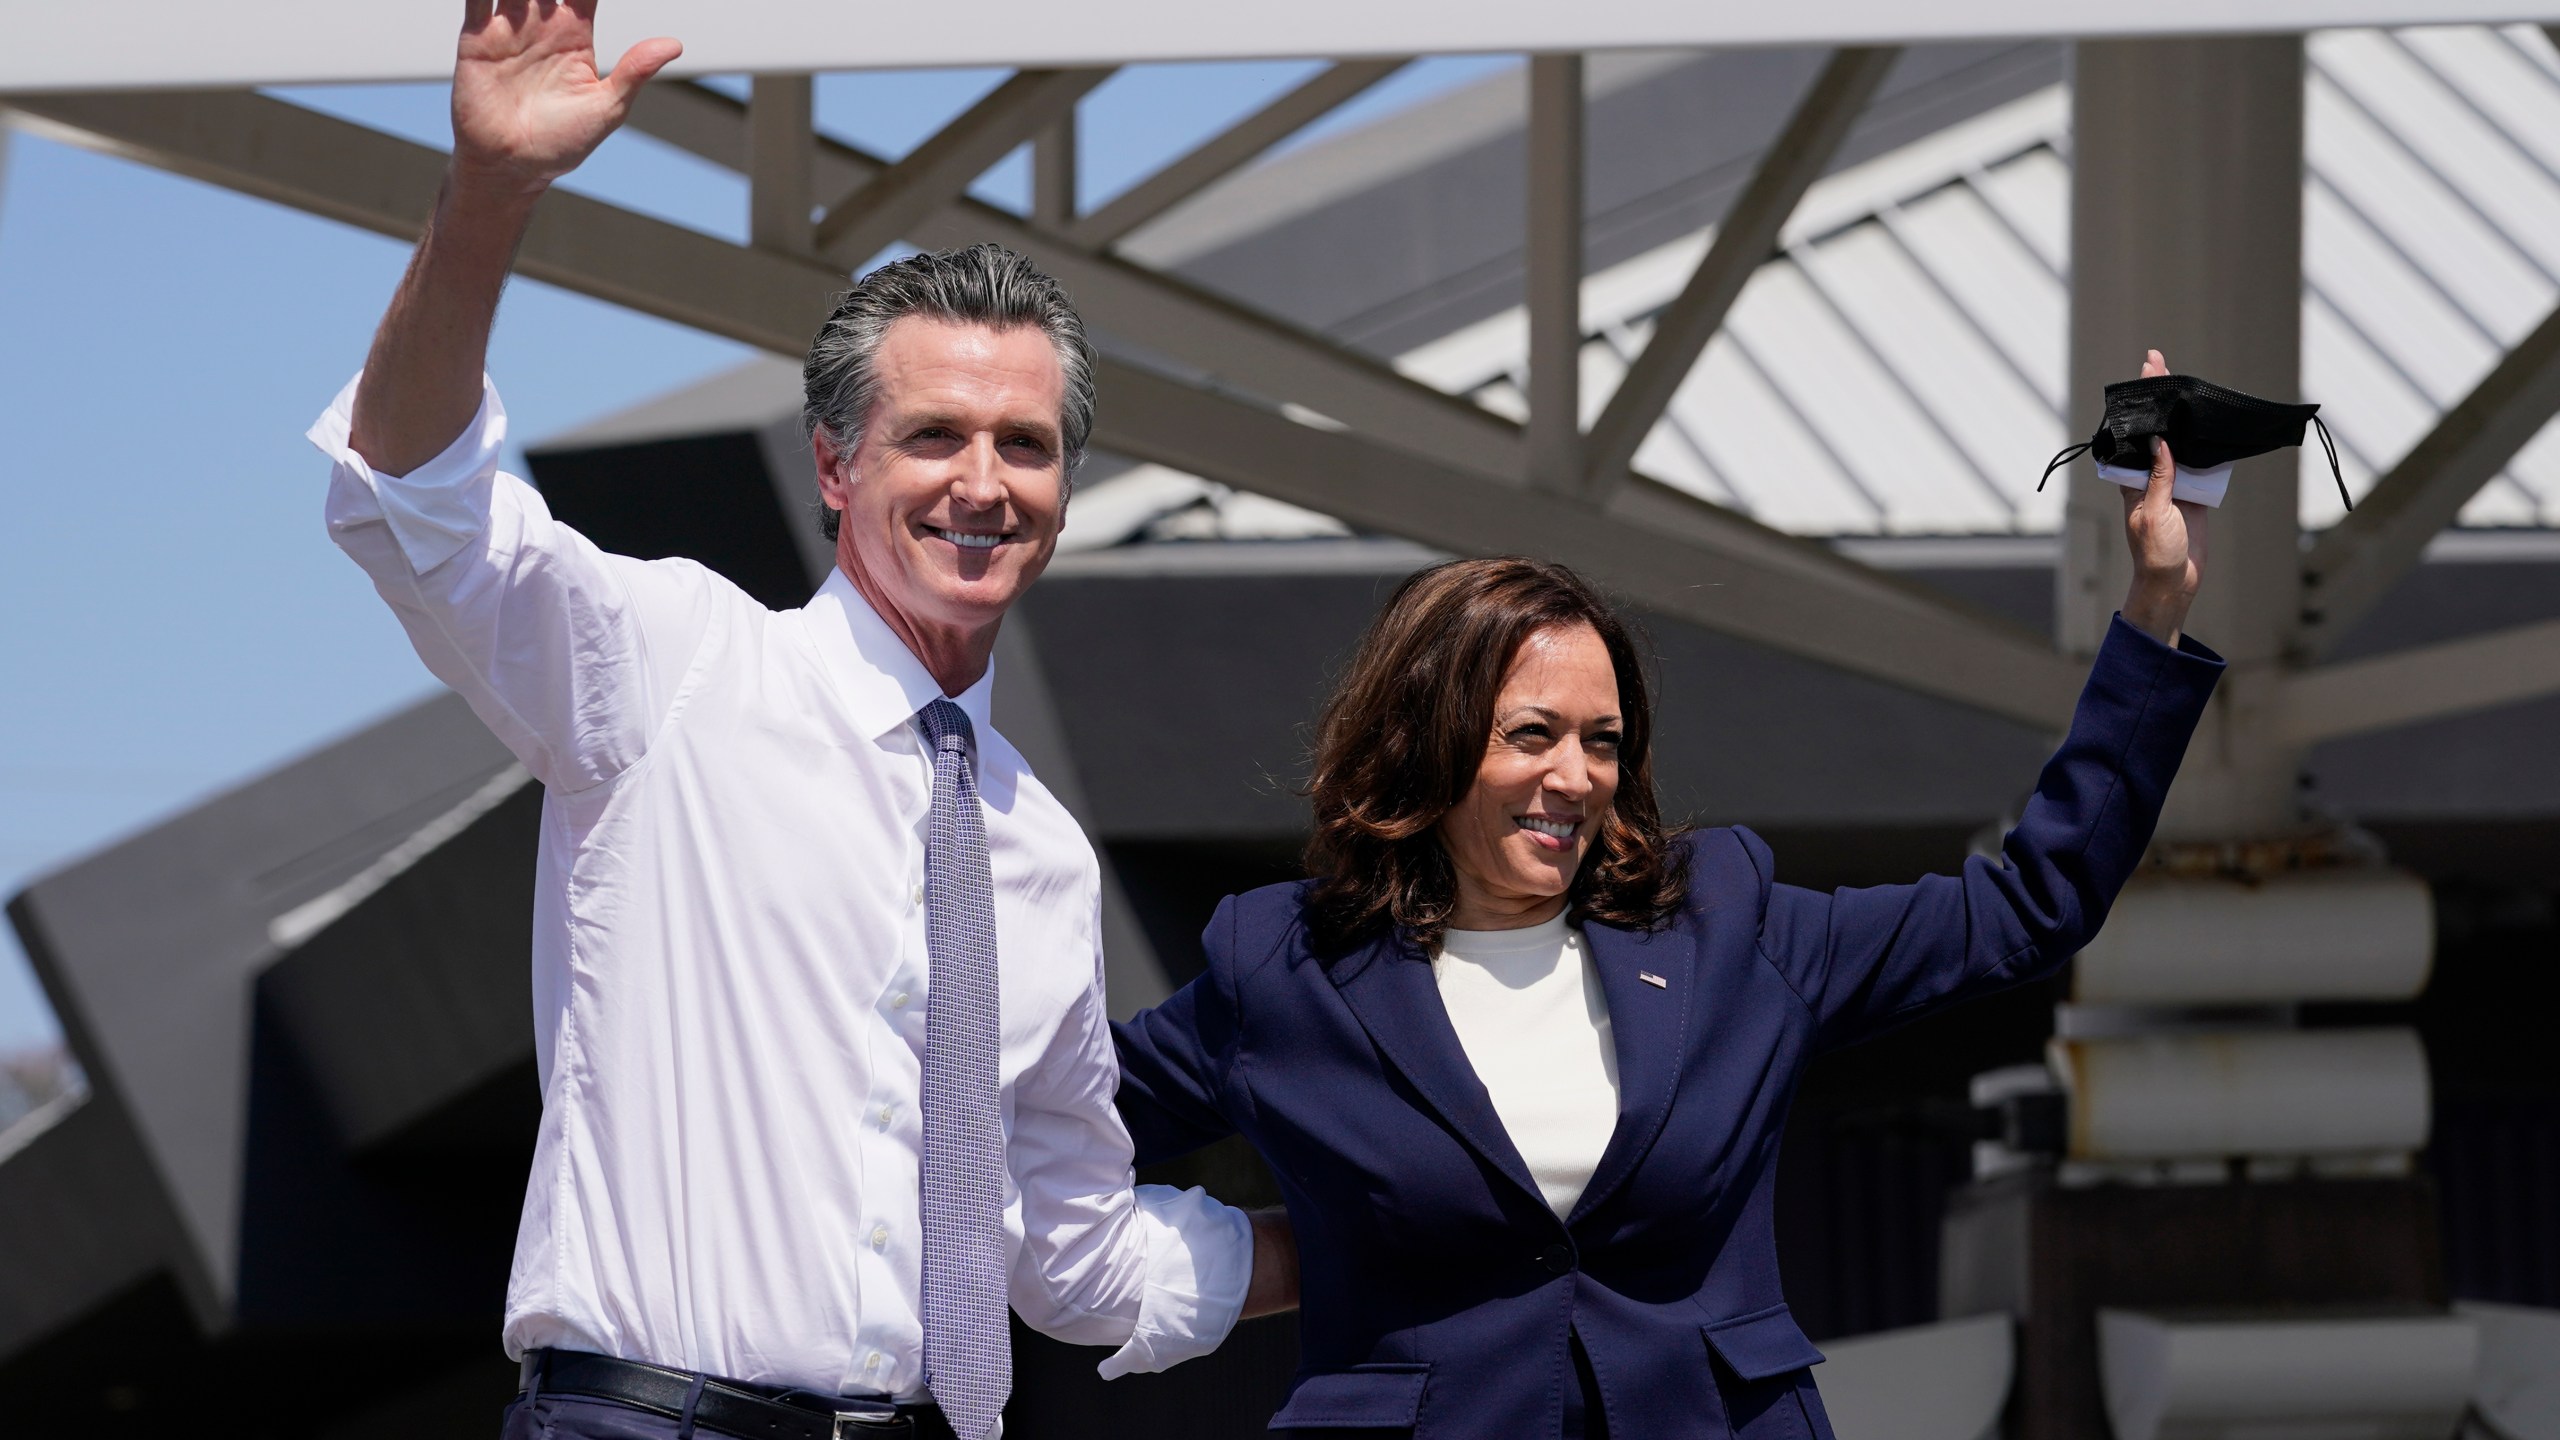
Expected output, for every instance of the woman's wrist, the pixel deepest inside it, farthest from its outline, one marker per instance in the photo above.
(1274, 1286)
(2161, 614)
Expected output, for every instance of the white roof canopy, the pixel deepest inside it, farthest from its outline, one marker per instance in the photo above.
(159, 44)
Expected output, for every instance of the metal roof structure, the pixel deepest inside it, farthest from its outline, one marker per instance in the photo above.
(175, 43)
(1901, 242)
(1899, 367)
(1251, 400)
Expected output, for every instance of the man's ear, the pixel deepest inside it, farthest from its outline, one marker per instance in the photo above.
(827, 460)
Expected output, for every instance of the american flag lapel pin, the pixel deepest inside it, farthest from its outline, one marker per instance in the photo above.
(1656, 981)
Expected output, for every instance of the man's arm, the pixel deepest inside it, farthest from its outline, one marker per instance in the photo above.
(528, 106)
(571, 656)
(1163, 1274)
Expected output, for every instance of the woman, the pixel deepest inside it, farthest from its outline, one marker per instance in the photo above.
(1520, 1057)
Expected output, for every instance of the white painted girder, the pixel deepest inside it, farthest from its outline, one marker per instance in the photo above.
(152, 44)
(2429, 682)
(1662, 549)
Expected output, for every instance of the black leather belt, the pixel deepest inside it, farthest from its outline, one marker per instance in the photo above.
(730, 1407)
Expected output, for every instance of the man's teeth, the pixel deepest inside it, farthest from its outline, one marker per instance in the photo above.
(968, 539)
(1560, 829)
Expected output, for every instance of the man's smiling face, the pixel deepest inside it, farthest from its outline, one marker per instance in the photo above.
(953, 496)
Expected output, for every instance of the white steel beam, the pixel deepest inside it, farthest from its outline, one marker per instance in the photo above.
(1663, 549)
(1220, 155)
(1217, 337)
(150, 44)
(1746, 236)
(1555, 272)
(1053, 174)
(1646, 550)
(2353, 565)
(781, 148)
(2428, 683)
(362, 177)
(884, 208)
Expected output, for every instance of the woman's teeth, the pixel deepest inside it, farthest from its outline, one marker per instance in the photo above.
(1555, 829)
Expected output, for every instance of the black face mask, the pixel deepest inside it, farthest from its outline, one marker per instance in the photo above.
(2206, 425)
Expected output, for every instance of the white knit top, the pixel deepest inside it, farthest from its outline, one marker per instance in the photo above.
(1529, 1012)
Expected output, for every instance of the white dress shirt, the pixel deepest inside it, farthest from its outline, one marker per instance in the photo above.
(729, 974)
(1530, 1014)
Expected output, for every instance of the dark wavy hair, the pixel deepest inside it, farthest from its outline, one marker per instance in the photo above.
(1405, 731)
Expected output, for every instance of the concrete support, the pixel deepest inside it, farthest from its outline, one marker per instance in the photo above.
(2186, 236)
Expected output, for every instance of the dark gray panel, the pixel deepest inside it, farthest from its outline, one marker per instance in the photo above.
(147, 949)
(82, 1217)
(1189, 699)
(422, 992)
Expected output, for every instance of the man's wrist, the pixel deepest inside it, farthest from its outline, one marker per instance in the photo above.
(485, 192)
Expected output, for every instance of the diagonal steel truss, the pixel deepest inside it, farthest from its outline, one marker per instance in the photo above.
(1198, 382)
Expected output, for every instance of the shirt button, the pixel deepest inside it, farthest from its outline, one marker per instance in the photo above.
(888, 1113)
(871, 1364)
(1557, 1260)
(919, 892)
(879, 1237)
(898, 1001)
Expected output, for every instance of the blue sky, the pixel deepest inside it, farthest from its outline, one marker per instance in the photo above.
(176, 620)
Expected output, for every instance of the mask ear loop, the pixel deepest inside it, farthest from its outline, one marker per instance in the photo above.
(2068, 455)
(2332, 447)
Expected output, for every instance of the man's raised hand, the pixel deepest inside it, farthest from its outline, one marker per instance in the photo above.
(528, 103)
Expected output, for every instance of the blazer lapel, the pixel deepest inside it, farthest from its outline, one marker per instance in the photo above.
(1390, 987)
(1650, 981)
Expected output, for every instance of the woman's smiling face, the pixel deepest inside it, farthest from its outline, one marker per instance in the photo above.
(1517, 837)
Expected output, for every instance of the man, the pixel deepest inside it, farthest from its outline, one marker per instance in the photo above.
(826, 1072)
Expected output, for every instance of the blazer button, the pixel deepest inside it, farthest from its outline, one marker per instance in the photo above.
(1557, 1260)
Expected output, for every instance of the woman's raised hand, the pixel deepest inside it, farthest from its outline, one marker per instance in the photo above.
(2167, 537)
(528, 103)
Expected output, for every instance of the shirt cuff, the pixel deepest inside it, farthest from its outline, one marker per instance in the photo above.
(1199, 1263)
(2204, 487)
(434, 510)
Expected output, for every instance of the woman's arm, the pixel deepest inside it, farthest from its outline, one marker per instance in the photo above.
(1865, 960)
(1868, 959)
(1174, 1057)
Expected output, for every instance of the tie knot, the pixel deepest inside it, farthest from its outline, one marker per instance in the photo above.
(947, 725)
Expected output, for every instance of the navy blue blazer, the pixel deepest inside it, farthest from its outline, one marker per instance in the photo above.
(1438, 1290)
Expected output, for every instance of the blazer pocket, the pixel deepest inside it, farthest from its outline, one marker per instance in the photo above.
(1364, 1397)
(1763, 1344)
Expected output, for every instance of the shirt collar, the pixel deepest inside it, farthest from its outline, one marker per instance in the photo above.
(880, 680)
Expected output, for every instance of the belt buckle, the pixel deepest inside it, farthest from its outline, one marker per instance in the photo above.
(858, 1421)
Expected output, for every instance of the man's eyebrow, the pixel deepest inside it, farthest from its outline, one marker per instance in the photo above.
(1042, 426)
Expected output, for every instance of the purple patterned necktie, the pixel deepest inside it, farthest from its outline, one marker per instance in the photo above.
(968, 1353)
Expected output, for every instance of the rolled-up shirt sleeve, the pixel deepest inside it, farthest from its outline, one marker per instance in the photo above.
(1159, 1272)
(570, 655)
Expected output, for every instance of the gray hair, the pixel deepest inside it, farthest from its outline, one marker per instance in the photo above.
(985, 284)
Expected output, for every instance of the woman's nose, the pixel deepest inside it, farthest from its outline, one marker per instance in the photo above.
(1570, 775)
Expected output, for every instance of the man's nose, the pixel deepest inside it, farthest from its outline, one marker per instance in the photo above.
(976, 476)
